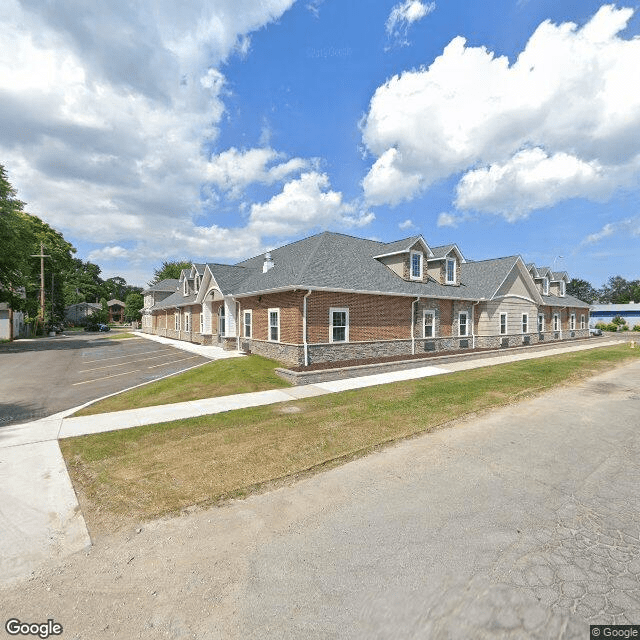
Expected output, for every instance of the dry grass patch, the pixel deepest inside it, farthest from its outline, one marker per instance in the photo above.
(126, 476)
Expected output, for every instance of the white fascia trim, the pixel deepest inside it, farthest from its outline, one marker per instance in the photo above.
(454, 247)
(395, 253)
(519, 261)
(513, 295)
(396, 294)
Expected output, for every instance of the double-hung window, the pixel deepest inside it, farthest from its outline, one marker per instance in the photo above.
(503, 324)
(525, 323)
(451, 271)
(545, 287)
(572, 321)
(339, 321)
(248, 317)
(416, 265)
(562, 288)
(556, 322)
(429, 324)
(187, 321)
(582, 322)
(274, 325)
(221, 321)
(462, 324)
(541, 323)
(176, 321)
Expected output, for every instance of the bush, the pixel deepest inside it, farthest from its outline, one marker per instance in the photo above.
(636, 328)
(601, 325)
(618, 320)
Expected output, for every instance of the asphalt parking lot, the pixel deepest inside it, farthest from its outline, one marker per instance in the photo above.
(41, 377)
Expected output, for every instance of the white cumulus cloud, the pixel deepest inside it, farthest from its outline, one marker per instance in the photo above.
(560, 121)
(303, 204)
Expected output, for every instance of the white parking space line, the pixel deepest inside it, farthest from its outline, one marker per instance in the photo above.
(155, 366)
(116, 364)
(115, 375)
(127, 355)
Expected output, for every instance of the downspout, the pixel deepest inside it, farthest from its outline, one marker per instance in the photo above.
(473, 324)
(304, 328)
(413, 325)
(238, 326)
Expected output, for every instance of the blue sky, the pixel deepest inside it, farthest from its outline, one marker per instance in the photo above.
(219, 129)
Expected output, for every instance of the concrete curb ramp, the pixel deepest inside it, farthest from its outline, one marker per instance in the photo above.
(40, 518)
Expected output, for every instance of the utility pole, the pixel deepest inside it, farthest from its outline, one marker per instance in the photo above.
(42, 256)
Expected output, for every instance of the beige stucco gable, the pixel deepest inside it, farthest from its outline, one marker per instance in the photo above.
(519, 283)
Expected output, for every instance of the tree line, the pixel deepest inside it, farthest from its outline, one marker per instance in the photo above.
(617, 290)
(68, 280)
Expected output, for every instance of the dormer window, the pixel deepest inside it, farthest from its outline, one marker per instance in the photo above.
(451, 271)
(196, 284)
(562, 288)
(545, 287)
(185, 287)
(416, 265)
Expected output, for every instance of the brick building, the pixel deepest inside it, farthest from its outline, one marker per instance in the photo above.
(333, 297)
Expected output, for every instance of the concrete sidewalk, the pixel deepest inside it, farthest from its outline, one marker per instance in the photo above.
(40, 519)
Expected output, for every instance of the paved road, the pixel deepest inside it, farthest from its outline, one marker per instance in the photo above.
(41, 377)
(520, 524)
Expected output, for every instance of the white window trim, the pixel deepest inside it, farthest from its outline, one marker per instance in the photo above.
(541, 324)
(187, 321)
(506, 324)
(424, 327)
(248, 312)
(222, 317)
(545, 287)
(411, 254)
(176, 321)
(572, 322)
(446, 271)
(525, 321)
(185, 287)
(466, 324)
(583, 321)
(562, 288)
(556, 322)
(344, 310)
(269, 312)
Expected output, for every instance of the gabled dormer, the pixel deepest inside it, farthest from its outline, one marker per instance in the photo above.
(558, 283)
(444, 265)
(541, 277)
(407, 258)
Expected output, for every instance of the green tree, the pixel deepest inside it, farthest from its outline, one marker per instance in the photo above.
(16, 245)
(82, 282)
(582, 290)
(133, 306)
(617, 290)
(169, 270)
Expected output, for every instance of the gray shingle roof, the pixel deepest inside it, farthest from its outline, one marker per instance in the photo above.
(169, 284)
(336, 261)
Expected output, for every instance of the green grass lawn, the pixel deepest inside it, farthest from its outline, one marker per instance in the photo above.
(123, 477)
(219, 378)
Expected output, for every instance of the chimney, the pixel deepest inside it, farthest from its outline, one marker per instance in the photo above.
(268, 262)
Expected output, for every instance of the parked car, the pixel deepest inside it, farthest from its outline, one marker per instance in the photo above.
(595, 332)
(97, 326)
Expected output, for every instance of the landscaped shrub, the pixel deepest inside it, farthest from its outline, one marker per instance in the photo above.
(637, 327)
